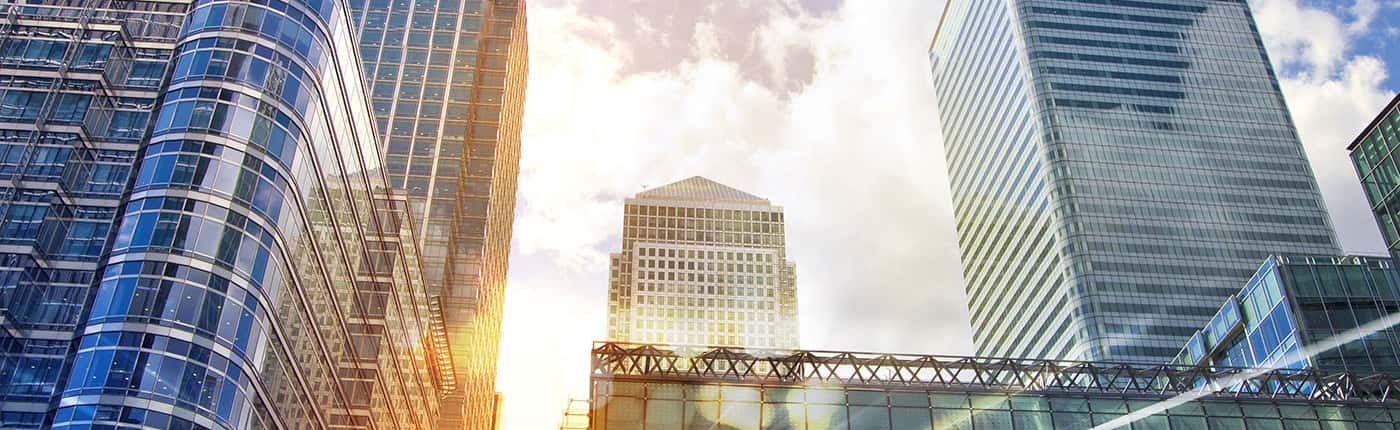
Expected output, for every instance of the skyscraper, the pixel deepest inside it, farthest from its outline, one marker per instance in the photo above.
(1118, 168)
(447, 82)
(1372, 155)
(256, 278)
(78, 84)
(702, 264)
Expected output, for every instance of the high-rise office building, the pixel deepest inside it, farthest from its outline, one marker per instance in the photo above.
(702, 264)
(258, 276)
(78, 84)
(1117, 169)
(1372, 153)
(1294, 303)
(447, 83)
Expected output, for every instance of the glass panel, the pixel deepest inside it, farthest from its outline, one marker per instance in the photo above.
(664, 391)
(870, 417)
(952, 419)
(1027, 403)
(784, 416)
(739, 416)
(624, 412)
(783, 395)
(909, 399)
(826, 417)
(1188, 423)
(944, 400)
(826, 396)
(991, 419)
(858, 397)
(1153, 422)
(740, 393)
(664, 414)
(1070, 420)
(701, 415)
(910, 418)
(1031, 420)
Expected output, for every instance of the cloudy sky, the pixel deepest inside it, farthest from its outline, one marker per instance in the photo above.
(826, 108)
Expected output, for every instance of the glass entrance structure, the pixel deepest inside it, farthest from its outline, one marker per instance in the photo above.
(638, 386)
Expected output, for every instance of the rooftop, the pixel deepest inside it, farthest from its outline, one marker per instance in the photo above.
(699, 188)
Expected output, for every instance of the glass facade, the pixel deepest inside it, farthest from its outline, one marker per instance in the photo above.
(78, 84)
(1372, 154)
(257, 277)
(1104, 154)
(447, 84)
(650, 387)
(703, 264)
(1293, 302)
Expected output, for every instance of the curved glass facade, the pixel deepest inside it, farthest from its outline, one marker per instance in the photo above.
(1104, 154)
(255, 280)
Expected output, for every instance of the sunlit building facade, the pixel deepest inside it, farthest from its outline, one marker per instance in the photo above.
(655, 387)
(78, 84)
(1372, 153)
(1117, 169)
(260, 275)
(447, 85)
(1293, 306)
(702, 264)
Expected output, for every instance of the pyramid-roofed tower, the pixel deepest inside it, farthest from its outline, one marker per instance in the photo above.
(702, 192)
(703, 263)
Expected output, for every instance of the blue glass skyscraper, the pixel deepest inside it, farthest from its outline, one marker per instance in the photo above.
(78, 84)
(260, 275)
(1118, 168)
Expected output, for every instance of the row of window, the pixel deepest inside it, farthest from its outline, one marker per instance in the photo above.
(723, 290)
(706, 277)
(286, 25)
(715, 214)
(229, 113)
(240, 60)
(1090, 225)
(704, 265)
(703, 302)
(1171, 195)
(704, 254)
(697, 339)
(1178, 176)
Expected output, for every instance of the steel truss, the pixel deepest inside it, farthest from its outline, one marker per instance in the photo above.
(632, 361)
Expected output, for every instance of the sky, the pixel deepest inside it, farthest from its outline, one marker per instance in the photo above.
(826, 108)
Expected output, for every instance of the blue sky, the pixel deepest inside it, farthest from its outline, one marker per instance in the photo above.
(826, 108)
(1382, 38)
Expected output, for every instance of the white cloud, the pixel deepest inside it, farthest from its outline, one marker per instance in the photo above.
(852, 153)
(1318, 51)
(1332, 93)
(1362, 12)
(831, 116)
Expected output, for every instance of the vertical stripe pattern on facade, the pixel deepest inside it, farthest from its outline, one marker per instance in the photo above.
(1142, 153)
